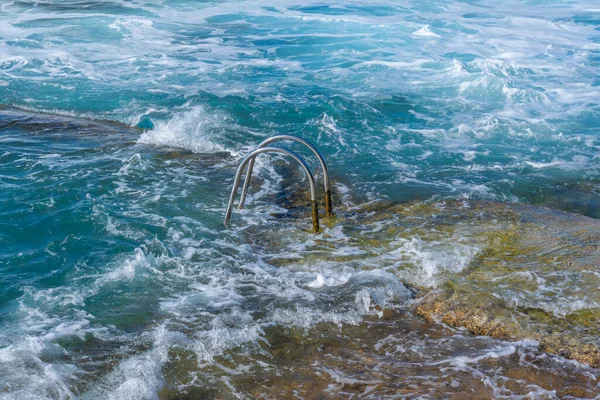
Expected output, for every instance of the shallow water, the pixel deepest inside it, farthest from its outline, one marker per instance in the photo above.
(124, 123)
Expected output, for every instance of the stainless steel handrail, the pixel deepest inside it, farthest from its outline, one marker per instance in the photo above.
(326, 184)
(250, 157)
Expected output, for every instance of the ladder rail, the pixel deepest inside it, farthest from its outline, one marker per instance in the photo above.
(306, 143)
(250, 157)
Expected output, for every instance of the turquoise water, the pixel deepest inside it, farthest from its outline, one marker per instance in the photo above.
(122, 124)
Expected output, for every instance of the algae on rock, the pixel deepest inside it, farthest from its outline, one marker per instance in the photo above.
(511, 271)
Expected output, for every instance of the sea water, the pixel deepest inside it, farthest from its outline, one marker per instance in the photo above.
(121, 127)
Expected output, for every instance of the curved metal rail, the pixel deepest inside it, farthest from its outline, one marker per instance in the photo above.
(313, 148)
(250, 157)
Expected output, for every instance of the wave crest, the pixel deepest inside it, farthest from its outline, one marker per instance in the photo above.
(196, 130)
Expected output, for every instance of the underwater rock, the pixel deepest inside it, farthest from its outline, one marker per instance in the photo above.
(397, 355)
(510, 271)
(536, 279)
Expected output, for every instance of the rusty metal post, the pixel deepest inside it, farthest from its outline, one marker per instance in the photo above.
(315, 216)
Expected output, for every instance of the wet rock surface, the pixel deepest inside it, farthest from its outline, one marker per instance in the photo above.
(536, 279)
(509, 271)
(391, 355)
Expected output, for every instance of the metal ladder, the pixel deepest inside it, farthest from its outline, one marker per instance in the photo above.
(262, 148)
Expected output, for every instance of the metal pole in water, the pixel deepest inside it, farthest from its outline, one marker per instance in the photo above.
(317, 153)
(250, 157)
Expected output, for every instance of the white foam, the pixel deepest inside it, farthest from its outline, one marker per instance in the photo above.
(321, 281)
(134, 162)
(401, 65)
(539, 165)
(135, 378)
(130, 267)
(425, 32)
(499, 351)
(197, 130)
(328, 127)
(432, 260)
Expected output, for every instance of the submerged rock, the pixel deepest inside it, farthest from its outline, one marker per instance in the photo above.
(509, 271)
(396, 355)
(535, 279)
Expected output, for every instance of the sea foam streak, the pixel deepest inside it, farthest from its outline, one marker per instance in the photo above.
(196, 130)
